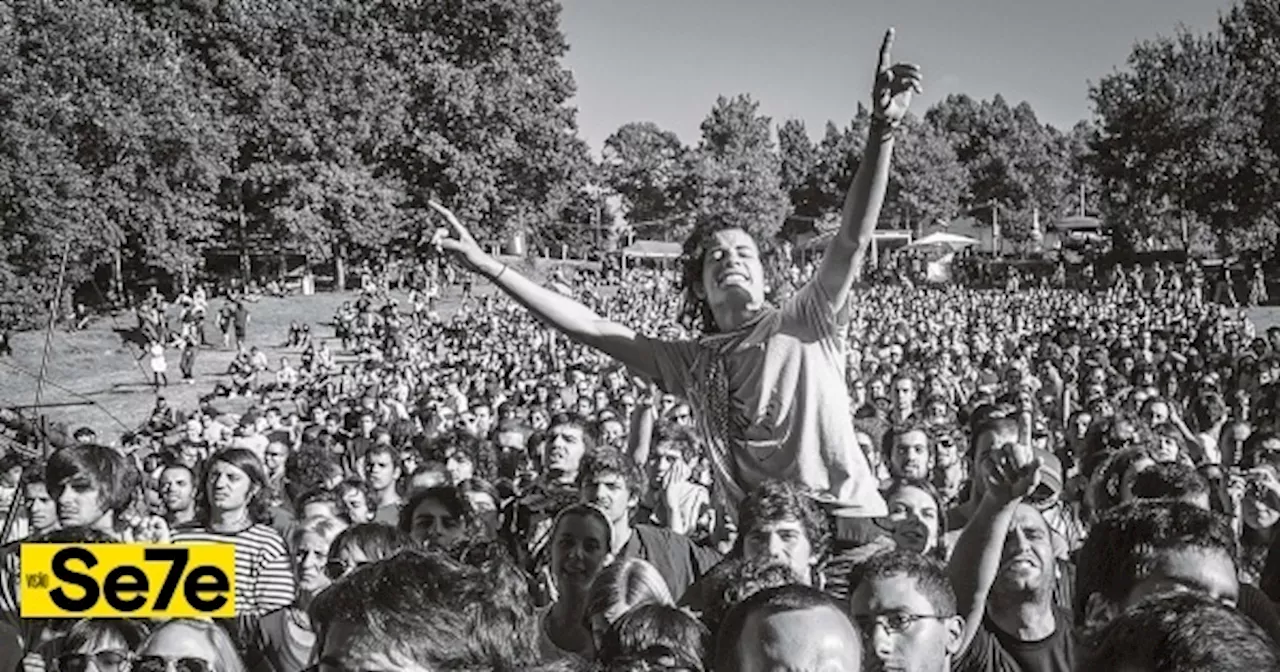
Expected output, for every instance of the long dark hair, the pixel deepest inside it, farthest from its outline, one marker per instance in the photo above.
(245, 460)
(694, 311)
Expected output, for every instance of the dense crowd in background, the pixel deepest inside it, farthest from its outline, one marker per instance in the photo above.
(568, 502)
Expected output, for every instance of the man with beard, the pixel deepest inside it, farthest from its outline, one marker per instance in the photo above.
(178, 494)
(1003, 570)
(527, 520)
(910, 455)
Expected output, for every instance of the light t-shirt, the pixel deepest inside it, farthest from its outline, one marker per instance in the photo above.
(789, 405)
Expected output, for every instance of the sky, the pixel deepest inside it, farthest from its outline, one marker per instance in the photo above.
(666, 61)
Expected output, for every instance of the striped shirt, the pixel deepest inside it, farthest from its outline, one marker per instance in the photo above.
(264, 572)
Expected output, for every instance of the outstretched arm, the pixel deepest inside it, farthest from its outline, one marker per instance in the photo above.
(1010, 472)
(842, 263)
(561, 312)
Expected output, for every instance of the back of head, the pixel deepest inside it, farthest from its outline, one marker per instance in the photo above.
(424, 607)
(1125, 544)
(374, 540)
(731, 582)
(656, 634)
(1184, 632)
(625, 584)
(762, 604)
(1172, 481)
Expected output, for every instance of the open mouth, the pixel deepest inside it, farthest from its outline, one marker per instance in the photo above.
(1021, 564)
(732, 276)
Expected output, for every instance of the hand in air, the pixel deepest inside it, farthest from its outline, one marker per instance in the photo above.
(1012, 471)
(895, 84)
(456, 240)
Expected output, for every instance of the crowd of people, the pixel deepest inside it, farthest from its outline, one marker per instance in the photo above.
(889, 478)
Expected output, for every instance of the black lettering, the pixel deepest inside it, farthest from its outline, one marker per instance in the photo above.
(177, 558)
(125, 580)
(217, 583)
(67, 575)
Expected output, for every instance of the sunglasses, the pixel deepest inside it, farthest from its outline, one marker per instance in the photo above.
(162, 664)
(336, 569)
(106, 661)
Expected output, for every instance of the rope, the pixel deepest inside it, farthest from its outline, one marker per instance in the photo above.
(90, 401)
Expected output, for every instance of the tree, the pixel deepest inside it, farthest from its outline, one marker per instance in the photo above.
(109, 145)
(837, 157)
(926, 181)
(798, 157)
(733, 175)
(1180, 141)
(644, 164)
(1014, 162)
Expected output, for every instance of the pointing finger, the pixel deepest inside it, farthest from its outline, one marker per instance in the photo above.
(448, 215)
(885, 48)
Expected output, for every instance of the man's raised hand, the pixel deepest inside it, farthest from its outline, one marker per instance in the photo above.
(1012, 471)
(895, 83)
(456, 240)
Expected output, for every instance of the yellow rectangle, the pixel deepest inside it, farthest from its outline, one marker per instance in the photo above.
(128, 581)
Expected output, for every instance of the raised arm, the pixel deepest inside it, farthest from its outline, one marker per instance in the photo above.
(1011, 472)
(561, 312)
(891, 95)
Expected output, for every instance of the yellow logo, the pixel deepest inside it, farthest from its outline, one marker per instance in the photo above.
(128, 580)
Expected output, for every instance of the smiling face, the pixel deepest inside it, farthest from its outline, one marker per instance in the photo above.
(732, 270)
(914, 516)
(579, 549)
(1027, 563)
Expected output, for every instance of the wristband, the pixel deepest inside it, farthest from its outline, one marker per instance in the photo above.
(499, 275)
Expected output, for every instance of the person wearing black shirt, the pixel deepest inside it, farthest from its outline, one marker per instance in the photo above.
(1004, 573)
(614, 484)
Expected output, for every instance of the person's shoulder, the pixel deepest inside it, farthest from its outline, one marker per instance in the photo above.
(663, 535)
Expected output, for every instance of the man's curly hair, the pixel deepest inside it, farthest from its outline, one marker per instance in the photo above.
(776, 501)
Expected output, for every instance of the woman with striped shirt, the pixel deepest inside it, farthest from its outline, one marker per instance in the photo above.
(233, 503)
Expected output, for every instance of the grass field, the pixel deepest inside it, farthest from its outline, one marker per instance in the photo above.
(98, 367)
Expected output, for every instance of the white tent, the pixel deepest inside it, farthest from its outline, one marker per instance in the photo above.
(944, 238)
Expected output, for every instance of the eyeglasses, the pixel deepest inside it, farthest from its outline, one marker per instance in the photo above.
(162, 664)
(893, 623)
(106, 661)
